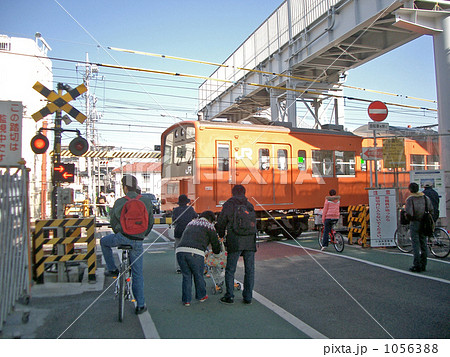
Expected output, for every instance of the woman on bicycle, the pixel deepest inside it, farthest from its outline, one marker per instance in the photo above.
(330, 215)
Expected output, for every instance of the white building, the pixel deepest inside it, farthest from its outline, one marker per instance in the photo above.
(19, 71)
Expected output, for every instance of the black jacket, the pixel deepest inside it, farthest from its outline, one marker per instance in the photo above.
(181, 216)
(434, 198)
(234, 242)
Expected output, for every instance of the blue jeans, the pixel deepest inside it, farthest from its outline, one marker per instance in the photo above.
(328, 224)
(192, 266)
(136, 261)
(419, 244)
(249, 276)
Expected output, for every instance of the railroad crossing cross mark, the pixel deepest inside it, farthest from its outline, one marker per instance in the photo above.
(59, 102)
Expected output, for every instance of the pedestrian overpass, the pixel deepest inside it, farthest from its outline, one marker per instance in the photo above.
(299, 55)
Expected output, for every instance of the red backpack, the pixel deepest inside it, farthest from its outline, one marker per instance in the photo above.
(134, 216)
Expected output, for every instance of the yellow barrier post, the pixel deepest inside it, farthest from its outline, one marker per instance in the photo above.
(75, 237)
(358, 216)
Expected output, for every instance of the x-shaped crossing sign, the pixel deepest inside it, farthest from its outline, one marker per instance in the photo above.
(59, 102)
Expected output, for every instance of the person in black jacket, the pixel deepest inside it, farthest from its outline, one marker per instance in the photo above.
(181, 216)
(190, 253)
(415, 209)
(237, 245)
(434, 198)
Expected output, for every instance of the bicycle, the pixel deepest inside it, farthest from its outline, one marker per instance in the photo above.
(438, 243)
(335, 238)
(123, 282)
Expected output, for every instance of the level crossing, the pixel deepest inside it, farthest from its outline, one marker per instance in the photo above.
(300, 293)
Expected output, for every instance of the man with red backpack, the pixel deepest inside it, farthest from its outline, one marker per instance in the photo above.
(131, 221)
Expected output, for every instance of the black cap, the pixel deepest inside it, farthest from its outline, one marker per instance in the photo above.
(130, 181)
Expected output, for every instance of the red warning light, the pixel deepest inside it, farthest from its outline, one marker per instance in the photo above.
(39, 144)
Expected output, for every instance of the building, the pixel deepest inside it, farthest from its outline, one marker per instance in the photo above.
(24, 61)
(148, 175)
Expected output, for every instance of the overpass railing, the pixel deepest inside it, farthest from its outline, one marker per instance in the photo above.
(290, 19)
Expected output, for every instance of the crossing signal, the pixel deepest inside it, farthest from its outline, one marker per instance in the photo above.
(78, 146)
(64, 173)
(39, 143)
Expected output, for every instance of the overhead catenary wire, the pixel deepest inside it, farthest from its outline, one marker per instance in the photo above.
(261, 72)
(177, 74)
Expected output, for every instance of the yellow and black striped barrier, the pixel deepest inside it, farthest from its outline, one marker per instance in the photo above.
(72, 233)
(282, 217)
(163, 220)
(358, 222)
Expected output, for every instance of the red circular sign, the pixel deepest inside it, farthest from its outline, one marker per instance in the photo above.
(377, 111)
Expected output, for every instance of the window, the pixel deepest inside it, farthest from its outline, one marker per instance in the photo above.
(417, 162)
(264, 159)
(282, 160)
(223, 153)
(432, 162)
(301, 160)
(345, 163)
(322, 163)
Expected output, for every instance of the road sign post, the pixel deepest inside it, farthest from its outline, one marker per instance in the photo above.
(377, 112)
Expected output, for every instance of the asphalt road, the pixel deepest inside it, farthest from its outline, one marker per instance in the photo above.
(300, 293)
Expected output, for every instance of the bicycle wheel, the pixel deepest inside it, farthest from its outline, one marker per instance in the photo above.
(338, 242)
(320, 238)
(439, 243)
(121, 292)
(402, 237)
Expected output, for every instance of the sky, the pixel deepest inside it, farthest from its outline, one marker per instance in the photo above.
(135, 107)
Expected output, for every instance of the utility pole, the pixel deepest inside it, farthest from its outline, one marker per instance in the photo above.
(91, 113)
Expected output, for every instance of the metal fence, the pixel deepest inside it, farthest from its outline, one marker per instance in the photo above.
(14, 239)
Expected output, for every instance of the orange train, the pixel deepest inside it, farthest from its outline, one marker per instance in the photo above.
(286, 171)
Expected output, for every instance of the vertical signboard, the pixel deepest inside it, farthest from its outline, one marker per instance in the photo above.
(383, 217)
(10, 133)
(435, 179)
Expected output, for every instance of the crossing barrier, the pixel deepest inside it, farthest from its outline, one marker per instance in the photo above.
(15, 276)
(358, 222)
(72, 230)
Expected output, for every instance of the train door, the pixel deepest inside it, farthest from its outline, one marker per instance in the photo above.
(264, 175)
(222, 172)
(282, 174)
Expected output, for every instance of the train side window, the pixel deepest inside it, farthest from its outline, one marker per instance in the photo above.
(301, 160)
(322, 163)
(345, 163)
(282, 160)
(417, 162)
(223, 155)
(264, 159)
(432, 162)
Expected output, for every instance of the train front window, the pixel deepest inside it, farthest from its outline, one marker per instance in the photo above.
(282, 160)
(264, 159)
(223, 155)
(301, 160)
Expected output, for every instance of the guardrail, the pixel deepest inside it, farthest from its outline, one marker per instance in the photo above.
(14, 239)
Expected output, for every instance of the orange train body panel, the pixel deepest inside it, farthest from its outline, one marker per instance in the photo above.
(282, 169)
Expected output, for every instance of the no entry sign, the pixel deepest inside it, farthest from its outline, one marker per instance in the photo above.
(377, 111)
